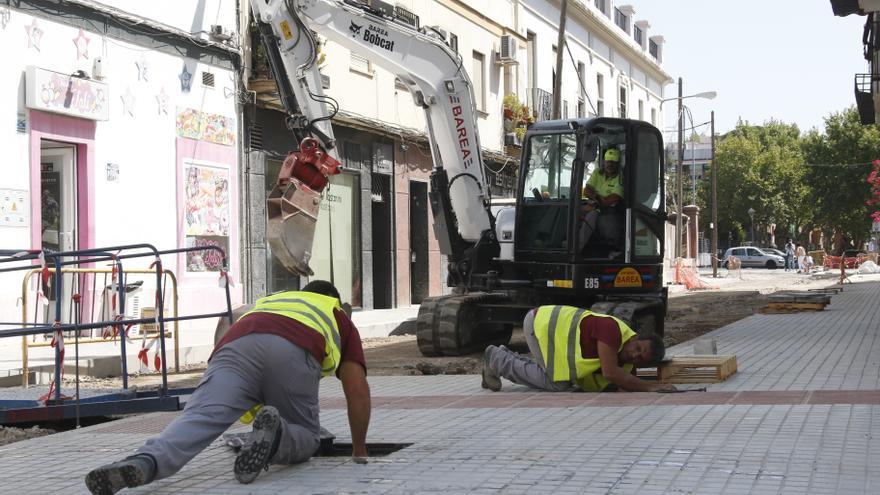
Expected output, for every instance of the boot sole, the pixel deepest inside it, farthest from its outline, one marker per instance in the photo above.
(107, 481)
(254, 457)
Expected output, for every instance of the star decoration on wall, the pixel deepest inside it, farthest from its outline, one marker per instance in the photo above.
(82, 45)
(5, 14)
(162, 101)
(128, 102)
(34, 35)
(185, 79)
(142, 67)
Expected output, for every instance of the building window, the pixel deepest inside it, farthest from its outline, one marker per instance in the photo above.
(653, 48)
(453, 42)
(638, 35)
(600, 95)
(641, 110)
(477, 75)
(581, 90)
(621, 20)
(359, 63)
(654, 117)
(622, 102)
(602, 5)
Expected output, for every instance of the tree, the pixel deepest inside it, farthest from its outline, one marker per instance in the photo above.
(839, 194)
(759, 167)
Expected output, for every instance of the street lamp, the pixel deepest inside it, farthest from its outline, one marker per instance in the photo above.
(752, 227)
(678, 167)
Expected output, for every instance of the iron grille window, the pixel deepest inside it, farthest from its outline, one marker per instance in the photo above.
(652, 49)
(453, 42)
(622, 102)
(602, 6)
(637, 34)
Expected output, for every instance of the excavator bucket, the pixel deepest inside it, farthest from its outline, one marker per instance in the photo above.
(293, 213)
(294, 202)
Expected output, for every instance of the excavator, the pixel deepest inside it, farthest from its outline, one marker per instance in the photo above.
(501, 262)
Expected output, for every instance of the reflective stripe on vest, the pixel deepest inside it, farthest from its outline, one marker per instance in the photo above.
(315, 311)
(557, 329)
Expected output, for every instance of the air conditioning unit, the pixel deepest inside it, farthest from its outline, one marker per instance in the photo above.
(507, 51)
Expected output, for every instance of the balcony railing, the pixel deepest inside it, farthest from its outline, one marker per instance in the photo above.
(865, 99)
(541, 103)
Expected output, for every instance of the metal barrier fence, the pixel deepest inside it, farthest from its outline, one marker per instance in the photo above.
(84, 292)
(51, 269)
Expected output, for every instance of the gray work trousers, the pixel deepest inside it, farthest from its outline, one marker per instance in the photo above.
(254, 369)
(521, 369)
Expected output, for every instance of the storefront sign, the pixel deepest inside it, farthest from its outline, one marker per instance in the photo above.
(14, 208)
(65, 94)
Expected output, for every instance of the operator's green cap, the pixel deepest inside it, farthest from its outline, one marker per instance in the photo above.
(612, 155)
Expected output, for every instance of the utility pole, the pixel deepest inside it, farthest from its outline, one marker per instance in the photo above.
(714, 202)
(678, 171)
(560, 46)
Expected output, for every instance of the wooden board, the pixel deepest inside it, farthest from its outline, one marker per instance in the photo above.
(692, 369)
(784, 308)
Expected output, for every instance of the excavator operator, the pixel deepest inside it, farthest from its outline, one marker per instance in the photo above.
(602, 194)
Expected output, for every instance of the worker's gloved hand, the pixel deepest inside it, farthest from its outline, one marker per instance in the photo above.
(359, 459)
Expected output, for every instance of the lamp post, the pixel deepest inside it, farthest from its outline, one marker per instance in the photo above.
(678, 166)
(752, 226)
(714, 203)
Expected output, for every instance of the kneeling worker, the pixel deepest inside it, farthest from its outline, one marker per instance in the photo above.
(274, 355)
(602, 351)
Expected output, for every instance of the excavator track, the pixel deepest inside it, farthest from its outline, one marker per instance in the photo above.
(450, 326)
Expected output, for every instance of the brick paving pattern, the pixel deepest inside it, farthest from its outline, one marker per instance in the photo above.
(799, 417)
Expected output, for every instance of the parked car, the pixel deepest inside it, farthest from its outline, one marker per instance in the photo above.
(754, 257)
(774, 251)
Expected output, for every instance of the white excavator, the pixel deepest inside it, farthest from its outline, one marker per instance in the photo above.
(553, 254)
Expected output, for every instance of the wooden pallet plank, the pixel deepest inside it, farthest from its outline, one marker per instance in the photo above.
(696, 369)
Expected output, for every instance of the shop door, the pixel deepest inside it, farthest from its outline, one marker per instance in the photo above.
(418, 241)
(58, 208)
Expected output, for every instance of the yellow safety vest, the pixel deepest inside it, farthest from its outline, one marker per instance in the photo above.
(557, 329)
(312, 310)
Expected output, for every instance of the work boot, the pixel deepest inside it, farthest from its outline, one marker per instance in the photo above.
(491, 381)
(256, 455)
(130, 472)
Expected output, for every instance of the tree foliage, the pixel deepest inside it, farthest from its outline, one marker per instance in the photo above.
(772, 168)
(839, 189)
(759, 168)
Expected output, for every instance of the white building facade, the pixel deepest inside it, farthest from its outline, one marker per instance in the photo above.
(126, 132)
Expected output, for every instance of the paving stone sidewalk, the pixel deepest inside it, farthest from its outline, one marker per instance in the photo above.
(799, 417)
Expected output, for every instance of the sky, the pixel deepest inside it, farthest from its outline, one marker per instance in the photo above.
(789, 60)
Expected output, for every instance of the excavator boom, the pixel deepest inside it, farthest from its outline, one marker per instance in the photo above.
(430, 69)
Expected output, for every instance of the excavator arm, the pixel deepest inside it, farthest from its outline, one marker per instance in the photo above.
(440, 86)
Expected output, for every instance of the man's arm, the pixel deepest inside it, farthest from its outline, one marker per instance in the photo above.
(616, 375)
(357, 397)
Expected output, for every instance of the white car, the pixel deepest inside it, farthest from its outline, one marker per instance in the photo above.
(754, 257)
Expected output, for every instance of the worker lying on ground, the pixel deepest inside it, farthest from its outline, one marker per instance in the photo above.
(274, 355)
(602, 351)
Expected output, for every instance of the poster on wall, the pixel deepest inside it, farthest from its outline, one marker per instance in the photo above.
(205, 213)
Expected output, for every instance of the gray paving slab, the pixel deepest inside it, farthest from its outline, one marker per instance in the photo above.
(811, 427)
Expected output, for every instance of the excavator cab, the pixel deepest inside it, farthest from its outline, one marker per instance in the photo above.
(590, 204)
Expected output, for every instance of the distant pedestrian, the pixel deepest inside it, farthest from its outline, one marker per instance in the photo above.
(801, 255)
(268, 363)
(789, 255)
(575, 349)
